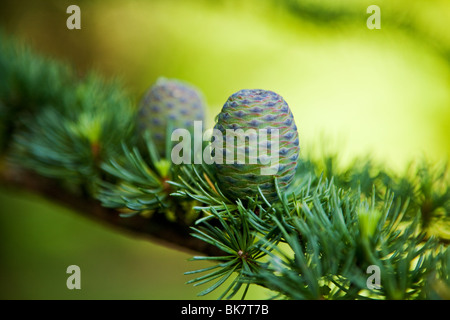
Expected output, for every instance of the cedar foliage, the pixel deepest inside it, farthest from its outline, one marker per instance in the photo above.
(315, 242)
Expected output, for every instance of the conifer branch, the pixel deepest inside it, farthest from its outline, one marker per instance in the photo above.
(156, 228)
(74, 141)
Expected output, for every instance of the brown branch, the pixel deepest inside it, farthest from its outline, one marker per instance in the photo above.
(157, 228)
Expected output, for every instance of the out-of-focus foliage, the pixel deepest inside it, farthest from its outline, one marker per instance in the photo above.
(383, 92)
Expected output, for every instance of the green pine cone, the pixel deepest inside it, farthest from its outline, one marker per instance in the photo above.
(257, 109)
(169, 100)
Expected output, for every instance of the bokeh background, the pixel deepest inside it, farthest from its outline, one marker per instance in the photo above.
(381, 92)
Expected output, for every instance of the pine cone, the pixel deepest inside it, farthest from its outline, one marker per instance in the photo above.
(257, 109)
(169, 100)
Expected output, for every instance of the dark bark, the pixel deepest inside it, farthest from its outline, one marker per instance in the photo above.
(156, 228)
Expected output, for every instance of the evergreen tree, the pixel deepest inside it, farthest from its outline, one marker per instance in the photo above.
(75, 140)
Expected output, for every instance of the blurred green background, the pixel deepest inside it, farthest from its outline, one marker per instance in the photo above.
(385, 92)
